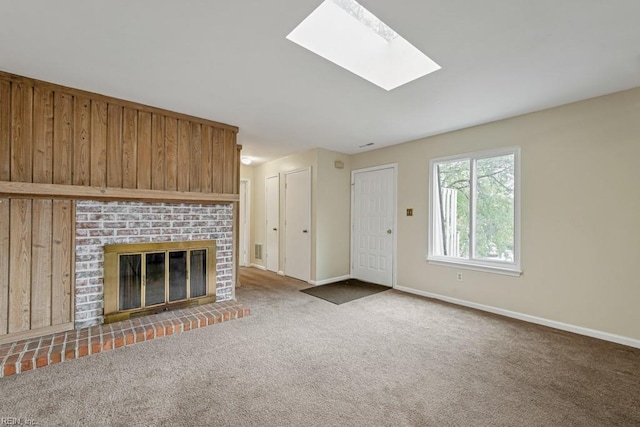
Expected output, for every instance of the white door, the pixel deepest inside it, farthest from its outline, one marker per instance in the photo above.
(297, 224)
(373, 223)
(244, 223)
(272, 202)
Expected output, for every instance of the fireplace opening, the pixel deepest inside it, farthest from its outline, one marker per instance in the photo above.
(148, 278)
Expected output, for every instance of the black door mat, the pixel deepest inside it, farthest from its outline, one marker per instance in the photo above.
(345, 290)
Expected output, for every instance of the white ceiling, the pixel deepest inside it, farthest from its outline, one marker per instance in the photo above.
(229, 61)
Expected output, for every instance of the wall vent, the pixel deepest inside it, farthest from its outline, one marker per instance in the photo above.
(257, 252)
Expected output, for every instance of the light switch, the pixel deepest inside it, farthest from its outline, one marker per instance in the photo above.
(409, 211)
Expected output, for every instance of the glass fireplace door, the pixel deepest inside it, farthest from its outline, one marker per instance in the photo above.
(152, 276)
(177, 275)
(155, 278)
(130, 281)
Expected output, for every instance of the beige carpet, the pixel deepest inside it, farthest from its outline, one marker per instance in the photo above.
(390, 359)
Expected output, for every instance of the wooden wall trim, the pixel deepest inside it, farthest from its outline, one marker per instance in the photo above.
(60, 191)
(32, 333)
(108, 99)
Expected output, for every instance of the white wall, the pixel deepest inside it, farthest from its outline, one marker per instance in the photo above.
(333, 216)
(580, 211)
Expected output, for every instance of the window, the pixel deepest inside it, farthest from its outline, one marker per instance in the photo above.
(474, 211)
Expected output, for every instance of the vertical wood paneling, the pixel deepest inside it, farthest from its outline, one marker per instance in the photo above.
(144, 150)
(129, 148)
(4, 265)
(61, 262)
(98, 143)
(229, 164)
(42, 135)
(171, 153)
(114, 146)
(42, 228)
(184, 154)
(63, 138)
(5, 132)
(195, 175)
(51, 134)
(21, 139)
(20, 266)
(218, 160)
(207, 164)
(157, 142)
(82, 142)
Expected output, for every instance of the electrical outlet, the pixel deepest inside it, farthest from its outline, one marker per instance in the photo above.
(459, 276)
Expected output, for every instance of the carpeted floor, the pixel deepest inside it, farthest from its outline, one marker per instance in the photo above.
(391, 359)
(345, 290)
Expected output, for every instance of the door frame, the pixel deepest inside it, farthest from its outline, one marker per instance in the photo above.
(266, 228)
(311, 228)
(246, 257)
(394, 238)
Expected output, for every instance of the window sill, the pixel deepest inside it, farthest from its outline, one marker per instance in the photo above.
(470, 265)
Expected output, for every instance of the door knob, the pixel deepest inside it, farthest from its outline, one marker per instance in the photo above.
(304, 231)
(275, 229)
(389, 231)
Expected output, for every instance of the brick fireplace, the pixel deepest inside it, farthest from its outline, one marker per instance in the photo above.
(106, 223)
(87, 170)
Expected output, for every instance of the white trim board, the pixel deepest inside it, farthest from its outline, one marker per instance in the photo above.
(618, 339)
(258, 266)
(247, 225)
(331, 280)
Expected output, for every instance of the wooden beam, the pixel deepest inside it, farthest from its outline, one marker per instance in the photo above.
(53, 191)
(35, 333)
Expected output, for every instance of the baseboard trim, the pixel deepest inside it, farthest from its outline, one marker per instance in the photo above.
(327, 281)
(281, 273)
(618, 339)
(258, 266)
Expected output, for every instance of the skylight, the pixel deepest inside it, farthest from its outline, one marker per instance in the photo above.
(367, 18)
(347, 34)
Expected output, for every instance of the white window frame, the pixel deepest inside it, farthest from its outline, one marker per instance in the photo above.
(500, 267)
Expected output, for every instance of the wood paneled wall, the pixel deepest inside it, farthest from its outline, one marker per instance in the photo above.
(36, 238)
(57, 135)
(58, 144)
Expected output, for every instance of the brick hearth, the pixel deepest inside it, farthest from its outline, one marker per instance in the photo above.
(26, 355)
